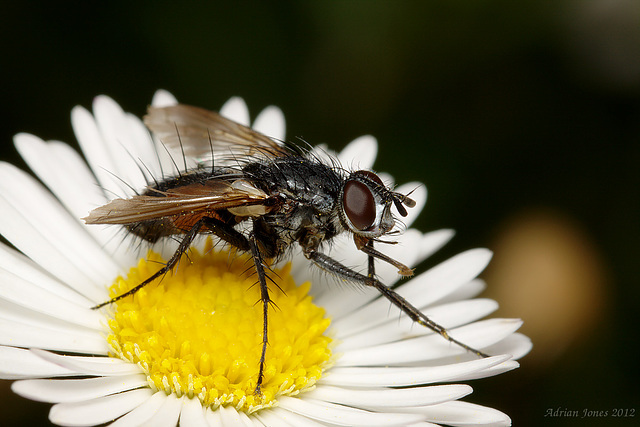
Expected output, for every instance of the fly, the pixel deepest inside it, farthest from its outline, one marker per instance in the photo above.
(282, 193)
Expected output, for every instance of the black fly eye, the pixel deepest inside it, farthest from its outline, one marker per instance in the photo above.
(358, 204)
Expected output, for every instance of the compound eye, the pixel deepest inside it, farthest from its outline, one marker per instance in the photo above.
(359, 205)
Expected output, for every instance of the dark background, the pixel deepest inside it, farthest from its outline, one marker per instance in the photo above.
(522, 118)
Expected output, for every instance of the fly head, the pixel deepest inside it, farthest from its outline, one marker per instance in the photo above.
(366, 205)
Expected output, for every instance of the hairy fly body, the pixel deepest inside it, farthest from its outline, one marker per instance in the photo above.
(283, 193)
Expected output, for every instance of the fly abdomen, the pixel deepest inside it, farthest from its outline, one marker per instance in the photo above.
(152, 230)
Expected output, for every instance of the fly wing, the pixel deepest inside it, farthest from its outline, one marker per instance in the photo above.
(239, 197)
(201, 133)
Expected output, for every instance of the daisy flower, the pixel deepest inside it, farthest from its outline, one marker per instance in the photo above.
(186, 350)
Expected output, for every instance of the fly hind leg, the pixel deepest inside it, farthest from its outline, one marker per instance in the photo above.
(217, 227)
(182, 248)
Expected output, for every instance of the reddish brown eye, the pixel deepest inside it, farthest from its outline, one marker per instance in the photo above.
(358, 204)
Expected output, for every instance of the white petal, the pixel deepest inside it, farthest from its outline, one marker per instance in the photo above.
(418, 194)
(96, 151)
(19, 363)
(163, 98)
(26, 294)
(341, 301)
(271, 122)
(476, 335)
(339, 297)
(76, 187)
(89, 365)
(168, 414)
(405, 251)
(166, 160)
(141, 414)
(48, 251)
(98, 411)
(342, 415)
(236, 110)
(117, 147)
(343, 298)
(336, 292)
(448, 315)
(459, 313)
(113, 126)
(433, 241)
(213, 419)
(409, 376)
(63, 171)
(26, 237)
(19, 265)
(11, 313)
(21, 335)
(517, 345)
(466, 414)
(390, 398)
(31, 210)
(56, 391)
(469, 290)
(420, 291)
(229, 416)
(192, 414)
(268, 418)
(349, 296)
(501, 368)
(294, 419)
(359, 153)
(453, 273)
(143, 149)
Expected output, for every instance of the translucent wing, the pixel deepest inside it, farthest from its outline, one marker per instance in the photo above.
(199, 132)
(238, 197)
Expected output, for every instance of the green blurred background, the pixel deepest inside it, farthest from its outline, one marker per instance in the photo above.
(522, 118)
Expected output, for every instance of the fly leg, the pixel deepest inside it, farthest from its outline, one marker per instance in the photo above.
(182, 248)
(235, 239)
(329, 264)
(217, 227)
(240, 241)
(266, 299)
(371, 262)
(227, 233)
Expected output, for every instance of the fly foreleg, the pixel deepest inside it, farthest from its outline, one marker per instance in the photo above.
(329, 264)
(371, 264)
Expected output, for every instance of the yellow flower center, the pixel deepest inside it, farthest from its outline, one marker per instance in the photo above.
(198, 332)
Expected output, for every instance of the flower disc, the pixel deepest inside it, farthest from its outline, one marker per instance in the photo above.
(198, 331)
